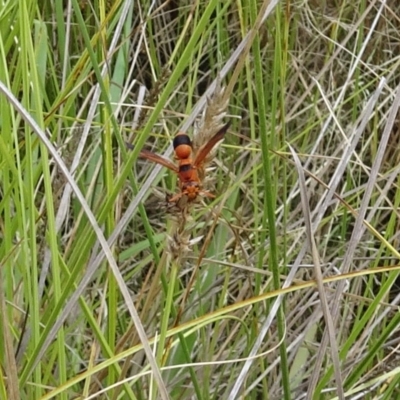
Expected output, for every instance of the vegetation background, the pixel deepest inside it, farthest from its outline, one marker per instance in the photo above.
(285, 286)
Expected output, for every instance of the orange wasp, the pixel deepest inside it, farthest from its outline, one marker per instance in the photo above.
(187, 168)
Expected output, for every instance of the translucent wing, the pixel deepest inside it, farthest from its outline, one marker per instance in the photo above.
(159, 160)
(206, 148)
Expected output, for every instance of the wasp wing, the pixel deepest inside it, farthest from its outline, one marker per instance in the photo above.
(206, 148)
(148, 155)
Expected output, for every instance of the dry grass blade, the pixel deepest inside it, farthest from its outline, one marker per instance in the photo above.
(350, 75)
(359, 226)
(318, 276)
(323, 204)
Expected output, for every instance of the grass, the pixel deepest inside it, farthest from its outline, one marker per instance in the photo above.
(284, 286)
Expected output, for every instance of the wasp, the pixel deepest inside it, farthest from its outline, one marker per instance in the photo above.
(187, 167)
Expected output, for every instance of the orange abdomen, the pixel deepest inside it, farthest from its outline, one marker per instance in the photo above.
(186, 171)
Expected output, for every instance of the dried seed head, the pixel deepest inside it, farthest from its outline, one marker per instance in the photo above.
(178, 245)
(211, 120)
